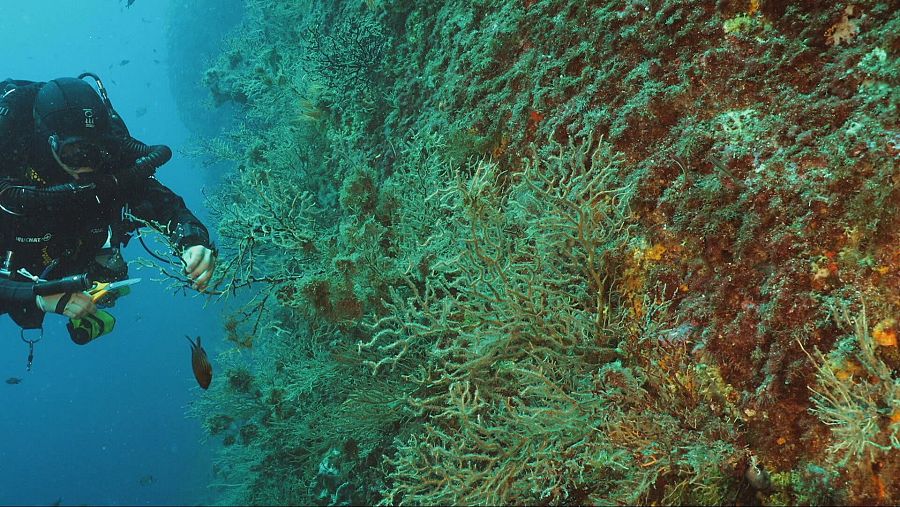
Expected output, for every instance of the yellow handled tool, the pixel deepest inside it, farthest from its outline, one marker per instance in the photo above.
(105, 293)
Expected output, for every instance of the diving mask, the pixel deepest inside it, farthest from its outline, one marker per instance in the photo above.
(78, 152)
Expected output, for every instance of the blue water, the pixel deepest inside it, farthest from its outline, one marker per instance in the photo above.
(90, 422)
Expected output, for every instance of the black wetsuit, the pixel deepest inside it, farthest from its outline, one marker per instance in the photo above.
(45, 215)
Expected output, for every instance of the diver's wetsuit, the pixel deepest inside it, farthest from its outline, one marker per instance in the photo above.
(46, 215)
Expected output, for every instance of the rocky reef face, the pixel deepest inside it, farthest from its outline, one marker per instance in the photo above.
(197, 32)
(552, 251)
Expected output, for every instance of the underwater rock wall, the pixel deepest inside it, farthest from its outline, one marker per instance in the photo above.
(546, 252)
(197, 30)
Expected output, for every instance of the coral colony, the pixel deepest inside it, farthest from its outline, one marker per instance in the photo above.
(560, 252)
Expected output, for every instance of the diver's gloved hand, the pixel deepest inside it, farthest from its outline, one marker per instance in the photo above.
(199, 265)
(74, 305)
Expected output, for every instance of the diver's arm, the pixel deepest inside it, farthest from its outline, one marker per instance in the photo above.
(154, 201)
(64, 296)
(14, 295)
(20, 296)
(189, 235)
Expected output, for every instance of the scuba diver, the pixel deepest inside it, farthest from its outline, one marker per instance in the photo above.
(71, 175)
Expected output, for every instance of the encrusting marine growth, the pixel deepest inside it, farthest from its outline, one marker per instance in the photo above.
(560, 252)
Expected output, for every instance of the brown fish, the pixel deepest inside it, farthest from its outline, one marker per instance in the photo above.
(200, 363)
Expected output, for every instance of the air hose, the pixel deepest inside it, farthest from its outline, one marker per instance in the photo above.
(155, 156)
(26, 199)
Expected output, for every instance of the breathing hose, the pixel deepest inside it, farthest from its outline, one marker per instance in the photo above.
(25, 199)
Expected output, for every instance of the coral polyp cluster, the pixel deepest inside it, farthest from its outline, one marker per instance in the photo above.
(561, 252)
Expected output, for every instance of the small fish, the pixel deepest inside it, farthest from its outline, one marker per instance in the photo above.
(13, 380)
(124, 62)
(200, 363)
(141, 111)
(147, 480)
(129, 3)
